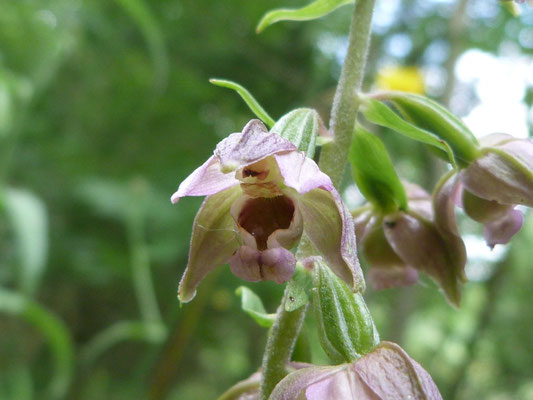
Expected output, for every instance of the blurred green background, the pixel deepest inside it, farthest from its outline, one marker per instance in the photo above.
(105, 107)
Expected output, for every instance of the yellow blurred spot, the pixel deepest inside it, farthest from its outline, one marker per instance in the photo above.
(405, 79)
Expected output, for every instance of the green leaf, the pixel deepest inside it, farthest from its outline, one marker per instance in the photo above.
(253, 306)
(379, 114)
(316, 9)
(431, 116)
(248, 99)
(374, 173)
(301, 127)
(297, 289)
(55, 332)
(28, 218)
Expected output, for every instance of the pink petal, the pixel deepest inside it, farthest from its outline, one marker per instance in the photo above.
(213, 240)
(253, 265)
(249, 146)
(301, 173)
(294, 385)
(444, 201)
(501, 230)
(391, 374)
(504, 173)
(205, 180)
(419, 245)
(344, 385)
(330, 227)
(244, 264)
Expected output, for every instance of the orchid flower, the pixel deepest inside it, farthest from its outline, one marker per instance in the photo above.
(262, 195)
(385, 373)
(493, 184)
(398, 245)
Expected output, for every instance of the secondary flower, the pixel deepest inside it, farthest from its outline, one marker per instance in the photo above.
(493, 184)
(385, 373)
(399, 244)
(262, 194)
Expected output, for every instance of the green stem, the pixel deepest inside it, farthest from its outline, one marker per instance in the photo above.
(281, 340)
(345, 104)
(284, 332)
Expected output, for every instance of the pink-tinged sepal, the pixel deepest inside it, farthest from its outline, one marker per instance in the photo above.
(503, 172)
(501, 230)
(213, 240)
(205, 180)
(330, 227)
(385, 373)
(392, 276)
(251, 145)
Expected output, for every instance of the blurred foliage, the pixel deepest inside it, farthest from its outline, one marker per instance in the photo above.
(105, 106)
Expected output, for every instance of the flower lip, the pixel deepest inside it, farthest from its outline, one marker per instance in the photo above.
(262, 216)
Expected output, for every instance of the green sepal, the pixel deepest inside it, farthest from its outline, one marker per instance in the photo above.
(301, 127)
(316, 9)
(431, 116)
(374, 172)
(346, 328)
(252, 305)
(297, 289)
(379, 114)
(250, 101)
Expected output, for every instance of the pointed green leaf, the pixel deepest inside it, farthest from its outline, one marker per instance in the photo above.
(374, 173)
(301, 127)
(316, 9)
(252, 305)
(248, 99)
(297, 289)
(29, 222)
(379, 114)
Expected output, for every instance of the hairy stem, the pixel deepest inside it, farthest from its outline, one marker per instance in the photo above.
(345, 103)
(283, 335)
(281, 341)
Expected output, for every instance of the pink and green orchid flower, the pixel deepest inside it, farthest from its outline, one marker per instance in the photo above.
(387, 372)
(399, 244)
(493, 184)
(262, 195)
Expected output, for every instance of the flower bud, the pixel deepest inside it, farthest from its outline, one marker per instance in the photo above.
(346, 328)
(428, 114)
(503, 172)
(301, 127)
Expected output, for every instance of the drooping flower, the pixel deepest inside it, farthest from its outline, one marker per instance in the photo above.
(493, 184)
(385, 373)
(400, 244)
(262, 194)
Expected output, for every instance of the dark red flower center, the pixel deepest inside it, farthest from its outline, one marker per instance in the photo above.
(263, 215)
